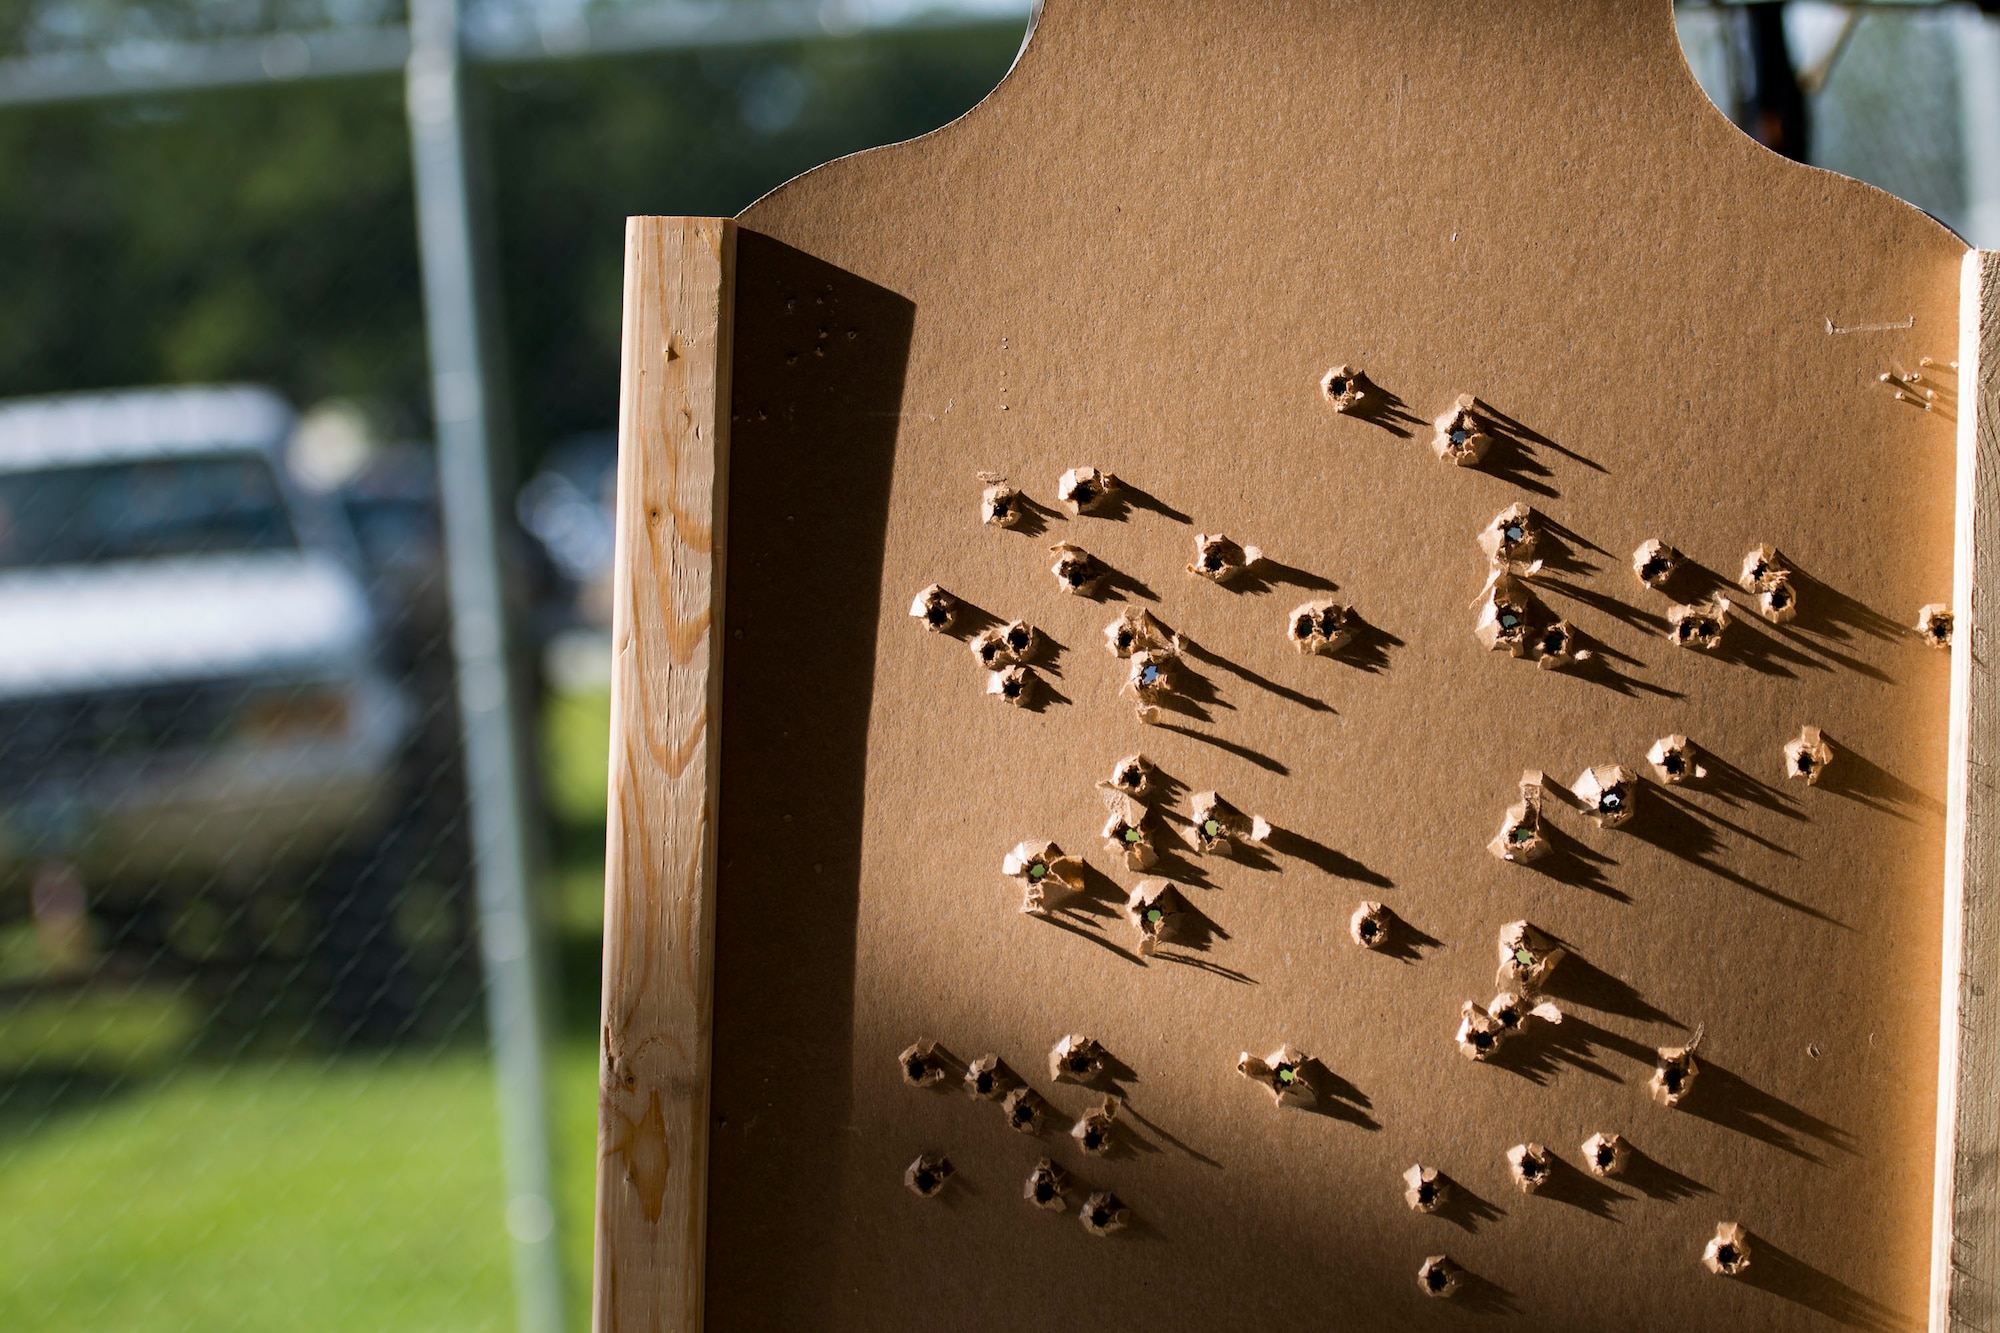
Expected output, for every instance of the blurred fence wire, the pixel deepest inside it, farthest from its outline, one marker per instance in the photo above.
(265, 934)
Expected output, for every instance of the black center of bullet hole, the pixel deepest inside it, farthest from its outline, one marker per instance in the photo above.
(1024, 1114)
(1605, 1156)
(1045, 1191)
(1079, 1064)
(1124, 638)
(983, 1082)
(1211, 562)
(1427, 1194)
(1805, 762)
(1654, 569)
(917, 1069)
(1674, 1078)
(989, 650)
(1011, 688)
(1482, 1041)
(1100, 1217)
(1532, 1169)
(1369, 930)
(926, 1182)
(1779, 599)
(1507, 1016)
(1674, 764)
(1092, 1140)
(1018, 639)
(1302, 628)
(1131, 777)
(1000, 506)
(1725, 1255)
(1336, 387)
(1435, 1279)
(937, 613)
(1554, 642)
(1076, 573)
(1082, 496)
(1509, 620)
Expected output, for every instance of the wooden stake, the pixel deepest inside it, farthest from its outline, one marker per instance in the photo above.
(659, 874)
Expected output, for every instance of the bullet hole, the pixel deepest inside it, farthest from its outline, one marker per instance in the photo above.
(1152, 676)
(1606, 1155)
(1093, 1133)
(1076, 1059)
(1512, 536)
(1103, 1214)
(1761, 569)
(1808, 756)
(1283, 1073)
(1673, 760)
(921, 1065)
(1503, 615)
(1344, 387)
(1727, 1254)
(1655, 562)
(1777, 602)
(1934, 625)
(1220, 827)
(1675, 1073)
(1218, 559)
(1322, 627)
(1426, 1190)
(1155, 908)
(1609, 794)
(1005, 645)
(1125, 833)
(1133, 775)
(1460, 438)
(1084, 490)
(1026, 1111)
(987, 1078)
(1558, 646)
(1440, 1277)
(1137, 631)
(1369, 926)
(1520, 837)
(1483, 1029)
(1699, 627)
(1077, 571)
(1016, 685)
(1000, 505)
(1038, 866)
(1046, 1185)
(937, 608)
(927, 1175)
(1529, 1165)
(1527, 957)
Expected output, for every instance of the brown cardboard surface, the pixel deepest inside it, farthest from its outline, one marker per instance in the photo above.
(1142, 254)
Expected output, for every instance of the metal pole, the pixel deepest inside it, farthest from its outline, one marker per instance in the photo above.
(500, 814)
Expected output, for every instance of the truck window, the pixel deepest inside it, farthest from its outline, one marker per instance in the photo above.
(142, 510)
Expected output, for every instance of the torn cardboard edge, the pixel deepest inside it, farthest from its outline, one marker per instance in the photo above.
(1076, 1058)
(1127, 833)
(1282, 1072)
(1000, 504)
(1674, 760)
(1484, 1029)
(1027, 1111)
(1321, 627)
(1460, 438)
(1675, 1072)
(1077, 571)
(1016, 685)
(1808, 756)
(1046, 1185)
(1012, 644)
(1520, 838)
(1504, 612)
(1529, 1166)
(1220, 828)
(1133, 776)
(1934, 621)
(1370, 925)
(1606, 1155)
(1137, 630)
(1609, 794)
(1511, 538)
(1037, 865)
(936, 608)
(1152, 677)
(1084, 490)
(1103, 1214)
(1155, 908)
(1527, 957)
(1425, 1188)
(1440, 1277)
(1094, 1129)
(1219, 559)
(1654, 563)
(1344, 387)
(1771, 583)
(988, 1078)
(926, 1176)
(1727, 1253)
(921, 1064)
(1699, 627)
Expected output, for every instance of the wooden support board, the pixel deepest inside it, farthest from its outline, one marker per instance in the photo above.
(1142, 253)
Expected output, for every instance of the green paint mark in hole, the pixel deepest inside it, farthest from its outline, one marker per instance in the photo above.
(1037, 870)
(1155, 915)
(1133, 835)
(1524, 958)
(1211, 828)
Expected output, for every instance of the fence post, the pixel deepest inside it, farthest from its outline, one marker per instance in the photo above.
(494, 755)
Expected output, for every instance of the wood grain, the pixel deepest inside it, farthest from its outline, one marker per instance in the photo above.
(1965, 1252)
(653, 1092)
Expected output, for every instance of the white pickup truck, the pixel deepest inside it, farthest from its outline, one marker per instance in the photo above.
(189, 686)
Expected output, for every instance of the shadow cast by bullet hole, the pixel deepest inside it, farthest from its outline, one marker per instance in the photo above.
(1216, 659)
(1114, 585)
(1780, 1274)
(1034, 519)
(1568, 861)
(1132, 1115)
(1578, 981)
(1599, 669)
(1286, 842)
(1682, 831)
(1558, 551)
(1368, 646)
(1724, 1098)
(1672, 797)
(1242, 752)
(1617, 608)
(1545, 1050)
(1128, 495)
(1336, 1098)
(970, 621)
(1111, 1078)
(1729, 783)
(1208, 965)
(1405, 942)
(1048, 654)
(1268, 574)
(1100, 897)
(1464, 1209)
(1826, 612)
(1193, 694)
(1512, 461)
(1194, 930)
(1165, 790)
(1384, 410)
(1092, 934)
(1484, 1297)
(1656, 1180)
(1859, 779)
(1043, 697)
(1177, 861)
(1512, 427)
(1569, 1185)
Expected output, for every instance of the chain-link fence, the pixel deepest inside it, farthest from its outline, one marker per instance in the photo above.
(244, 1079)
